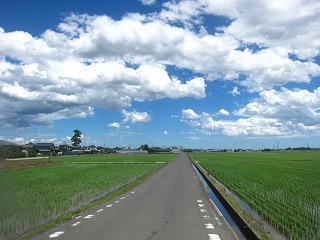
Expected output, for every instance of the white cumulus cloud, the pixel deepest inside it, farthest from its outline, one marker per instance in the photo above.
(114, 124)
(93, 61)
(223, 112)
(148, 2)
(189, 114)
(286, 113)
(135, 116)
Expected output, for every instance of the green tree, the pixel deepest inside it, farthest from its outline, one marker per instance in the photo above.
(76, 138)
(32, 152)
(63, 148)
(144, 147)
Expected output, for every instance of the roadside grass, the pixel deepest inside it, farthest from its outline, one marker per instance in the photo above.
(34, 196)
(284, 187)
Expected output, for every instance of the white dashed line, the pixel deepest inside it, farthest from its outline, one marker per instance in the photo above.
(78, 217)
(122, 198)
(214, 237)
(56, 234)
(89, 216)
(218, 221)
(199, 201)
(100, 210)
(209, 226)
(203, 210)
(117, 201)
(132, 192)
(201, 205)
(206, 217)
(110, 205)
(75, 224)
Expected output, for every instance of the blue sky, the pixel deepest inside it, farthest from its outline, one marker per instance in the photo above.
(196, 74)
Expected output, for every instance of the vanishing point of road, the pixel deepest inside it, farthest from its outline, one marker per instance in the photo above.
(171, 204)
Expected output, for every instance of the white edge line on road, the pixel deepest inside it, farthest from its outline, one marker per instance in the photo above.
(214, 237)
(218, 220)
(56, 234)
(209, 225)
(100, 210)
(217, 209)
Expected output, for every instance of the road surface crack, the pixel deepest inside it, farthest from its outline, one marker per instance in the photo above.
(161, 228)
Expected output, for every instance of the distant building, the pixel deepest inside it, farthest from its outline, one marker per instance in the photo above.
(131, 151)
(176, 151)
(44, 147)
(28, 146)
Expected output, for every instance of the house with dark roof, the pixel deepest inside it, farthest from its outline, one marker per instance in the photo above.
(28, 146)
(44, 147)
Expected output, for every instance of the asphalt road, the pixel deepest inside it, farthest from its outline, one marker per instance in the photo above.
(172, 204)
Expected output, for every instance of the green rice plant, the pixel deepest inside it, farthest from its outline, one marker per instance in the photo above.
(118, 158)
(32, 196)
(284, 187)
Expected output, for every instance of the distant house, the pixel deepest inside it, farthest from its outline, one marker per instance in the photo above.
(131, 151)
(81, 148)
(176, 151)
(28, 146)
(77, 150)
(44, 147)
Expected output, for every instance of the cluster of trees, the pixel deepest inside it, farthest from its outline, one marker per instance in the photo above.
(14, 151)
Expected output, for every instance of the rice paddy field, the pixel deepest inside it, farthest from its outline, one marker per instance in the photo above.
(118, 158)
(284, 187)
(32, 194)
